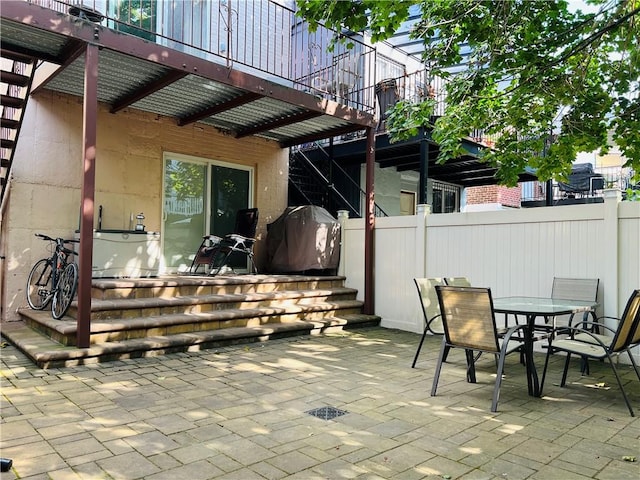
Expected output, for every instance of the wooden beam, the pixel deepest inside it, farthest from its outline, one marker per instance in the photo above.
(369, 224)
(89, 127)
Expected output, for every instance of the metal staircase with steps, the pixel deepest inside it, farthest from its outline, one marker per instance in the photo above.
(16, 77)
(152, 316)
(321, 181)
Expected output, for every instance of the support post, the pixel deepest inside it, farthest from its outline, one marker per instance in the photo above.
(610, 230)
(548, 194)
(424, 172)
(422, 211)
(89, 127)
(369, 224)
(343, 216)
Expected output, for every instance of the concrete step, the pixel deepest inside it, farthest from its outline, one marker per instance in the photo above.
(47, 353)
(187, 285)
(151, 316)
(153, 306)
(118, 328)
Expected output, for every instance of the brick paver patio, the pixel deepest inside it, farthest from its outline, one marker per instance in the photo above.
(240, 413)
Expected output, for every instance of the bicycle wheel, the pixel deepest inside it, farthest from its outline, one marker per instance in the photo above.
(66, 291)
(39, 289)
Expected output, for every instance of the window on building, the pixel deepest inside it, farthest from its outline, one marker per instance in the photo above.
(445, 198)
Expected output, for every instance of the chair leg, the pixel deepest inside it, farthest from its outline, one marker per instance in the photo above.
(496, 389)
(415, 358)
(566, 369)
(544, 370)
(218, 260)
(254, 269)
(436, 376)
(594, 318)
(624, 394)
(447, 349)
(471, 366)
(633, 362)
(584, 366)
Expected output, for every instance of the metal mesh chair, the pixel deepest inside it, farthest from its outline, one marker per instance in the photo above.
(584, 289)
(469, 323)
(584, 342)
(458, 281)
(430, 309)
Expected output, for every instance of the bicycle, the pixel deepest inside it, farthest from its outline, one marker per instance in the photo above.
(53, 278)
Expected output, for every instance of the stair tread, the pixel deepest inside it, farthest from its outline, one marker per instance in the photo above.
(205, 280)
(46, 352)
(149, 302)
(68, 325)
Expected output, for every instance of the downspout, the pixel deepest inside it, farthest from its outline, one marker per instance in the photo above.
(89, 127)
(369, 225)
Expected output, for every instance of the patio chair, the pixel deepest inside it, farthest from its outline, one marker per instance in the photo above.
(584, 342)
(214, 251)
(458, 281)
(469, 322)
(582, 289)
(430, 309)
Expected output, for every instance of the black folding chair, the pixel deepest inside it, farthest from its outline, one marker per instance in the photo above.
(215, 252)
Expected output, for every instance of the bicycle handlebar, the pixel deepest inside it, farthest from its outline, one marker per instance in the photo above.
(46, 237)
(59, 243)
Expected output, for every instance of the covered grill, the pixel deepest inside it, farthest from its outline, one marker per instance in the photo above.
(303, 239)
(582, 180)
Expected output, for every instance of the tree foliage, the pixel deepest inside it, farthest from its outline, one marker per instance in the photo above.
(548, 81)
(137, 18)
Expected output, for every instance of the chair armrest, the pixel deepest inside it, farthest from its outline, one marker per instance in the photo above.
(507, 336)
(238, 238)
(214, 239)
(575, 330)
(585, 325)
(430, 321)
(235, 242)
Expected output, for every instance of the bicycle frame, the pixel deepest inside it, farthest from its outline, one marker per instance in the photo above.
(48, 282)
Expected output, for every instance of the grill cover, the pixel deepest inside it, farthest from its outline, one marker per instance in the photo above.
(301, 239)
(582, 179)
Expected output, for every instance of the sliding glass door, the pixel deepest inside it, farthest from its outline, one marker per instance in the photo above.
(200, 197)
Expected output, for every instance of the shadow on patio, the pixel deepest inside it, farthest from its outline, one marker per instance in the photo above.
(242, 412)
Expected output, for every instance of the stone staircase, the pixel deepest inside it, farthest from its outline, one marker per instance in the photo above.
(133, 318)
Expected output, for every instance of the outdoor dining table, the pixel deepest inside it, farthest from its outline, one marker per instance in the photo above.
(531, 308)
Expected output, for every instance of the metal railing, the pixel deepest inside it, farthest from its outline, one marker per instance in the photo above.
(614, 177)
(415, 88)
(252, 36)
(327, 173)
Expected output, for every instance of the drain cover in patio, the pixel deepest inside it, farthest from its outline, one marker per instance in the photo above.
(326, 413)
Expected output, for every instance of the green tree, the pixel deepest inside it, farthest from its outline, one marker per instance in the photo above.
(538, 70)
(138, 18)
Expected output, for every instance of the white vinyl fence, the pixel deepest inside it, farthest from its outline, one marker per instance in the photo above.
(514, 252)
